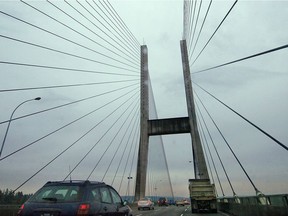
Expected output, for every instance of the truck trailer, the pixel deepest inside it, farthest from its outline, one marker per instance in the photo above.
(202, 196)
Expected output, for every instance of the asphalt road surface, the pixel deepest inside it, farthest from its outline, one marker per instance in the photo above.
(170, 211)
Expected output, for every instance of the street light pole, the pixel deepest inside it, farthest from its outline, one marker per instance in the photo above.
(37, 98)
(155, 188)
(129, 178)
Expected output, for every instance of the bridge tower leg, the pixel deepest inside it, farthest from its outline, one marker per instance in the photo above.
(200, 168)
(167, 126)
(144, 138)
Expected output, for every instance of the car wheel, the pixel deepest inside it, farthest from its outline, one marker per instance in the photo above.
(139, 209)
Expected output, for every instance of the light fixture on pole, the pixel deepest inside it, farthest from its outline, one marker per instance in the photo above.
(37, 98)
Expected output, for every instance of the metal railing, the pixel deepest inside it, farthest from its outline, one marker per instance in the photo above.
(264, 205)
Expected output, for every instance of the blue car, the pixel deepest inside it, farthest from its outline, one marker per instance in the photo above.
(171, 202)
(69, 198)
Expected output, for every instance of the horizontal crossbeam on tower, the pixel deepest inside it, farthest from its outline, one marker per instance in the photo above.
(168, 126)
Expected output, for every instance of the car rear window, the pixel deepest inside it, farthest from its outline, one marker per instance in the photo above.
(58, 193)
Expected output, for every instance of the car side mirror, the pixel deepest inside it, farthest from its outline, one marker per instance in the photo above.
(125, 202)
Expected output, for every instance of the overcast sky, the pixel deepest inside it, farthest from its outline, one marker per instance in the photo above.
(256, 88)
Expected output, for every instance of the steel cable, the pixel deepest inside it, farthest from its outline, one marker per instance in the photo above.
(125, 167)
(205, 148)
(65, 68)
(191, 26)
(121, 41)
(135, 58)
(114, 137)
(214, 32)
(59, 155)
(122, 156)
(104, 134)
(118, 30)
(65, 53)
(245, 58)
(62, 127)
(221, 162)
(121, 141)
(254, 125)
(200, 31)
(63, 38)
(67, 104)
(228, 145)
(135, 140)
(122, 23)
(202, 118)
(199, 9)
(65, 86)
(99, 44)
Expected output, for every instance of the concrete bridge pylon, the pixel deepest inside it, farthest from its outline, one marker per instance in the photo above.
(167, 126)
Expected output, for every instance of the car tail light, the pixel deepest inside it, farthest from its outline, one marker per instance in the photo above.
(83, 209)
(20, 209)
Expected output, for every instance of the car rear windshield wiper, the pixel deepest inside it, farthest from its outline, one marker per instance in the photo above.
(50, 199)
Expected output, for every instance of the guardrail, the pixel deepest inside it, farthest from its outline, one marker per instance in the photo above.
(264, 205)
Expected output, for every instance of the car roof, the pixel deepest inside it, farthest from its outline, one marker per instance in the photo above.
(74, 182)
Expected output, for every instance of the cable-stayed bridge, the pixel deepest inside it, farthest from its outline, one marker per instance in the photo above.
(83, 60)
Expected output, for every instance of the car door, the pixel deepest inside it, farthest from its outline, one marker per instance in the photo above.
(95, 199)
(120, 209)
(108, 208)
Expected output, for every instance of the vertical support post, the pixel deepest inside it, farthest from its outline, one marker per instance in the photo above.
(144, 139)
(200, 168)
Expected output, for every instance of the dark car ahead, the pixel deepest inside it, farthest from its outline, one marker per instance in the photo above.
(163, 201)
(75, 198)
